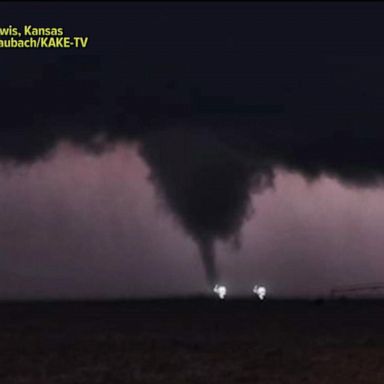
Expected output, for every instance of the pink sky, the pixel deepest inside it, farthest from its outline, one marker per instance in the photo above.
(81, 225)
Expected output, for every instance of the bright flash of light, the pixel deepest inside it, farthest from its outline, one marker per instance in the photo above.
(220, 290)
(260, 291)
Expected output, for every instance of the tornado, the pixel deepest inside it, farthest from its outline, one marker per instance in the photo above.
(206, 185)
(207, 251)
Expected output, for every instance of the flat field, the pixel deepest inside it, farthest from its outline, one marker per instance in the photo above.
(192, 341)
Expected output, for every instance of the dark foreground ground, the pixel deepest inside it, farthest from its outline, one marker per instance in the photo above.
(192, 341)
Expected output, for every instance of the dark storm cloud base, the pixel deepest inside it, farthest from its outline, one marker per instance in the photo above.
(245, 88)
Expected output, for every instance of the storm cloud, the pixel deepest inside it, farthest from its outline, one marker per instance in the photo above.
(215, 106)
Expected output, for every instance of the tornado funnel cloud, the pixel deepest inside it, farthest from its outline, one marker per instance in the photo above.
(207, 251)
(206, 185)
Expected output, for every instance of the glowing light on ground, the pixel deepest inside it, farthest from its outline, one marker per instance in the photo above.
(260, 291)
(220, 290)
